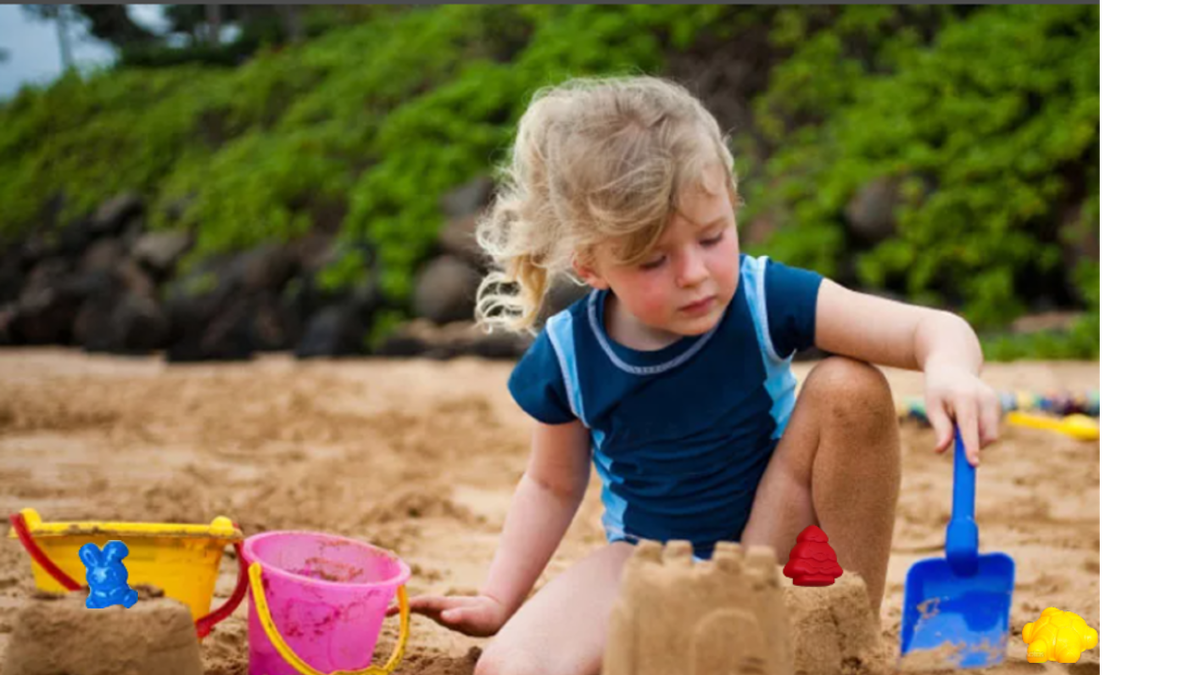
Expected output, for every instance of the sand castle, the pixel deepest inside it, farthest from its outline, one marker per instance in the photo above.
(735, 615)
(58, 634)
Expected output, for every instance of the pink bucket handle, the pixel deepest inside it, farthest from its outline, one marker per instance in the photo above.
(268, 624)
(204, 624)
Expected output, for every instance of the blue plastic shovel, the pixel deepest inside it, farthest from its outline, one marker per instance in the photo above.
(956, 609)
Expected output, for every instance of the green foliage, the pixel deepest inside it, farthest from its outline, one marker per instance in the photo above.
(988, 116)
(989, 126)
(92, 138)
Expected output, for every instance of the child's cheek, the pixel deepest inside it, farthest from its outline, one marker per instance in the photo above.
(653, 302)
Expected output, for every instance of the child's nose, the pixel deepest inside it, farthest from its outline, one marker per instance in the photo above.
(691, 270)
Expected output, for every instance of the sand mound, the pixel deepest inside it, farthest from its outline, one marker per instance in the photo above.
(421, 458)
(59, 635)
(834, 630)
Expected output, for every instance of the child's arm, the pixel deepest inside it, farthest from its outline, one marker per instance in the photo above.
(545, 501)
(941, 344)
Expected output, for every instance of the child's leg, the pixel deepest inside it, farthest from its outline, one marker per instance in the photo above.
(561, 630)
(836, 466)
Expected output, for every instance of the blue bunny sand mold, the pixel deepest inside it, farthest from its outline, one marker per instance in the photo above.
(58, 634)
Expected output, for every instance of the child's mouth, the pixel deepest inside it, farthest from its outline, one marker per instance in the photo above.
(700, 306)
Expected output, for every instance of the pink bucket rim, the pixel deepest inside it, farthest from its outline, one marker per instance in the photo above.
(399, 580)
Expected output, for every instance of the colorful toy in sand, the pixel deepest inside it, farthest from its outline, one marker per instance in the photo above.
(1058, 636)
(812, 561)
(1057, 403)
(106, 575)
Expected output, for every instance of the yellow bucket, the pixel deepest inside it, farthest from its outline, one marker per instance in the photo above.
(182, 560)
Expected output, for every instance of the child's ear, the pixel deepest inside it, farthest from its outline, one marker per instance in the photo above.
(585, 269)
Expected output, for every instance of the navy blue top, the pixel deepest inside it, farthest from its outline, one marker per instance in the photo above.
(680, 435)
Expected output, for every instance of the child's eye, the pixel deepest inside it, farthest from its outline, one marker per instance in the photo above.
(653, 264)
(712, 241)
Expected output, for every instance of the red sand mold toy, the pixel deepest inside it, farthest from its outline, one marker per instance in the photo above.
(813, 562)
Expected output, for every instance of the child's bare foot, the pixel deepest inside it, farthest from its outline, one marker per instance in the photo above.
(720, 616)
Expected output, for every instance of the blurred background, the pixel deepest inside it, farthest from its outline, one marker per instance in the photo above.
(215, 181)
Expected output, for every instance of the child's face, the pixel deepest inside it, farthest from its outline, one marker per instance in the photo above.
(691, 275)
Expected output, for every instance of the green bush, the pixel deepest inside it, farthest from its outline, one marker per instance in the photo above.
(988, 115)
(992, 128)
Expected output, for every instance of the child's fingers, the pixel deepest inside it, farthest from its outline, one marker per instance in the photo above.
(966, 413)
(989, 419)
(433, 606)
(462, 614)
(943, 428)
(476, 620)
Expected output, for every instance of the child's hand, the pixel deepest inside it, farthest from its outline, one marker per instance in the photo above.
(955, 395)
(474, 615)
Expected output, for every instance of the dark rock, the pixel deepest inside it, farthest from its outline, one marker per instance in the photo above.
(159, 251)
(275, 326)
(229, 336)
(457, 238)
(422, 337)
(114, 214)
(74, 238)
(313, 251)
(8, 337)
(102, 256)
(403, 346)
(45, 275)
(445, 290)
(91, 327)
(265, 268)
(462, 208)
(47, 304)
(133, 324)
(139, 325)
(11, 277)
(469, 198)
(871, 214)
(501, 345)
(34, 249)
(193, 299)
(134, 279)
(338, 330)
(44, 315)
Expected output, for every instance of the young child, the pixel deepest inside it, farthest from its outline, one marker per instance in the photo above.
(673, 374)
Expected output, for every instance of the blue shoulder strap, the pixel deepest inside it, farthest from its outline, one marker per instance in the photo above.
(560, 330)
(781, 383)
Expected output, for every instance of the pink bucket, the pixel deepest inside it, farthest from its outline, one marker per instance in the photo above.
(324, 599)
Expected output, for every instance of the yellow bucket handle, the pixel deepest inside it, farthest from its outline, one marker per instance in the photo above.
(264, 615)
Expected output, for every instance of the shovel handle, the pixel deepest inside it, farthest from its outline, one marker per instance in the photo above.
(962, 534)
(964, 482)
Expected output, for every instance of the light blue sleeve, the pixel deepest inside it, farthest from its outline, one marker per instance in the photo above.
(536, 384)
(791, 302)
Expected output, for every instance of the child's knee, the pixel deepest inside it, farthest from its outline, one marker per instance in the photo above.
(852, 393)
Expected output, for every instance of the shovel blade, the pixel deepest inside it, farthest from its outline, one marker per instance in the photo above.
(953, 621)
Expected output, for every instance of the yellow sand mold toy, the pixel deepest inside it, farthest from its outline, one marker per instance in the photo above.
(1058, 636)
(182, 560)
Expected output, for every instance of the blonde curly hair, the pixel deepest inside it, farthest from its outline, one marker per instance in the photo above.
(595, 160)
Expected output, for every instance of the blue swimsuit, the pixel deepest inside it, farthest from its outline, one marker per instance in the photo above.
(681, 436)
